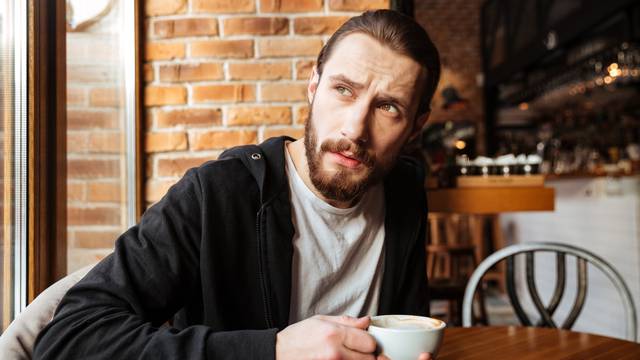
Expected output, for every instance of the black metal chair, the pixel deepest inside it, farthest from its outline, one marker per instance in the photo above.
(546, 312)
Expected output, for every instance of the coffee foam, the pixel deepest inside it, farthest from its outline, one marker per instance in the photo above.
(407, 323)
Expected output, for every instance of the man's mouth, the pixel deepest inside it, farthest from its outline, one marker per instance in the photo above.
(346, 159)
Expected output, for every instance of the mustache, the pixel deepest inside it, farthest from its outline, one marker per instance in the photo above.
(343, 145)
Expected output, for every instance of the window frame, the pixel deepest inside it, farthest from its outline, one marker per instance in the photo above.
(47, 167)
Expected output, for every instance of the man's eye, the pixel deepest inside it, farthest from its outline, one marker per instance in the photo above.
(343, 91)
(389, 108)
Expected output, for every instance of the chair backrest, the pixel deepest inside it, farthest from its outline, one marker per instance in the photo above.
(17, 342)
(561, 250)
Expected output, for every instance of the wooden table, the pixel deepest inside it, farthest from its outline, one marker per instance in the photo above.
(511, 342)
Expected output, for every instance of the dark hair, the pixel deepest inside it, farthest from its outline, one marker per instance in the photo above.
(400, 33)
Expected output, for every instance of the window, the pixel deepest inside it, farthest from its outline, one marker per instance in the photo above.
(100, 128)
(41, 147)
(13, 171)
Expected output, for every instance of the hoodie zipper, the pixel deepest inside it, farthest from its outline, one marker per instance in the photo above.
(266, 299)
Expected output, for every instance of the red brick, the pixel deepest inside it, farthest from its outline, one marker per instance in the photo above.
(304, 69)
(188, 117)
(302, 114)
(165, 141)
(259, 115)
(185, 27)
(295, 133)
(147, 72)
(76, 96)
(289, 47)
(148, 118)
(224, 6)
(93, 216)
(106, 142)
(164, 51)
(259, 71)
(256, 26)
(98, 239)
(176, 167)
(76, 191)
(223, 48)
(77, 142)
(91, 119)
(148, 164)
(92, 168)
(164, 7)
(105, 97)
(191, 72)
(209, 140)
(165, 95)
(358, 5)
(283, 92)
(156, 189)
(105, 192)
(318, 25)
(290, 5)
(224, 93)
(83, 73)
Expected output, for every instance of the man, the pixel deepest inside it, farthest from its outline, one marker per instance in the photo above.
(284, 249)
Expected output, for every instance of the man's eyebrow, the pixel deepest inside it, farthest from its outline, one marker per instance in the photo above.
(356, 85)
(392, 99)
(346, 80)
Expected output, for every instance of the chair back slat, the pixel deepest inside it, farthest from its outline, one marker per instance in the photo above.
(581, 294)
(513, 296)
(560, 283)
(545, 317)
(558, 292)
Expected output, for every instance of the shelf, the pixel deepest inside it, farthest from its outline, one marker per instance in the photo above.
(491, 200)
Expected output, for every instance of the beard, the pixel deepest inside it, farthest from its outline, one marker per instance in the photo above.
(343, 184)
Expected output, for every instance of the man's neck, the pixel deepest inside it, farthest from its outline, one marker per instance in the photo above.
(297, 152)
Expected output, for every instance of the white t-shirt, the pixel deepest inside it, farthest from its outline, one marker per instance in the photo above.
(338, 253)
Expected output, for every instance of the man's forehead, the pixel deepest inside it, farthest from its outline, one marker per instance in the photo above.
(364, 59)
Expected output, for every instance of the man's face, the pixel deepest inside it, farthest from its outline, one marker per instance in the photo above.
(363, 111)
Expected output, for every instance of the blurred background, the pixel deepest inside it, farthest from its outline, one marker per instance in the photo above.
(534, 133)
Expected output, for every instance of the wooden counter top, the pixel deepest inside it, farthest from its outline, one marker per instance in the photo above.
(491, 200)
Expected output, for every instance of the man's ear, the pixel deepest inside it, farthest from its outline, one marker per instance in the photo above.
(418, 125)
(313, 84)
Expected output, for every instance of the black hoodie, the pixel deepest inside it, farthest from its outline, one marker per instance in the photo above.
(215, 256)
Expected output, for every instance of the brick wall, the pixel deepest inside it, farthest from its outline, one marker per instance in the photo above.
(454, 26)
(96, 207)
(221, 73)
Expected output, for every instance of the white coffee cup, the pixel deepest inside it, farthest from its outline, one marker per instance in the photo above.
(405, 337)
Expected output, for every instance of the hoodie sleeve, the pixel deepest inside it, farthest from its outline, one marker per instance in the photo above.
(120, 309)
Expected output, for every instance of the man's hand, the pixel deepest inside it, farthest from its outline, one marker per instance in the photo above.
(329, 337)
(326, 337)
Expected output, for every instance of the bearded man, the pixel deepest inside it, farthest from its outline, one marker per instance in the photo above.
(284, 249)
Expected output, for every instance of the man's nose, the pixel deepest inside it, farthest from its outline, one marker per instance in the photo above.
(356, 123)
